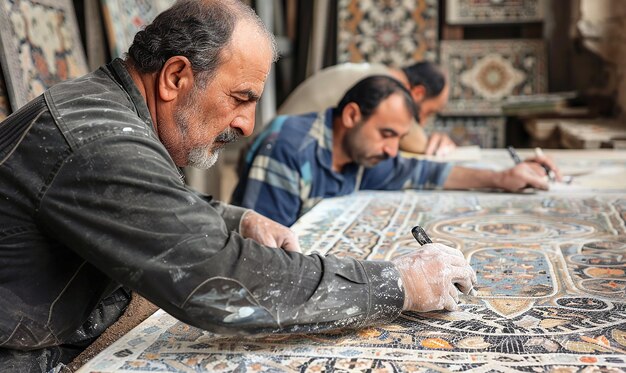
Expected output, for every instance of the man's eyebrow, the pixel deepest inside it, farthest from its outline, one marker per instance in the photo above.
(390, 130)
(250, 94)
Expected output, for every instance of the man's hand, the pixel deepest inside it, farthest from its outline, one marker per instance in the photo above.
(431, 275)
(440, 144)
(268, 232)
(523, 175)
(548, 163)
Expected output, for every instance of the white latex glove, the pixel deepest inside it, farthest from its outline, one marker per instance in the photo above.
(440, 144)
(429, 275)
(268, 232)
(523, 175)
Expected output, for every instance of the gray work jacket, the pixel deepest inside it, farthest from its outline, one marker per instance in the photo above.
(90, 200)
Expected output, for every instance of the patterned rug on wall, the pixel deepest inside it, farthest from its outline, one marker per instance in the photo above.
(493, 11)
(550, 293)
(393, 32)
(483, 73)
(40, 46)
(486, 132)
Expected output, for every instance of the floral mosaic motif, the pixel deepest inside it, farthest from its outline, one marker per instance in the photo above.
(599, 267)
(40, 46)
(497, 228)
(530, 314)
(512, 272)
(486, 132)
(483, 73)
(124, 18)
(493, 11)
(393, 32)
(496, 76)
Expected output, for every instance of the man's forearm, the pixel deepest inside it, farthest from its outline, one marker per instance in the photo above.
(292, 293)
(468, 178)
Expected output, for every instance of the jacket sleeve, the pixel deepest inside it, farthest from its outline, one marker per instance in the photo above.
(231, 214)
(119, 203)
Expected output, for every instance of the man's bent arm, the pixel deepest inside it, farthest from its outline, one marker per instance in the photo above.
(231, 214)
(525, 174)
(121, 206)
(468, 178)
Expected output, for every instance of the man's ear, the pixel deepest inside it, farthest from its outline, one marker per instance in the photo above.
(418, 93)
(175, 78)
(351, 115)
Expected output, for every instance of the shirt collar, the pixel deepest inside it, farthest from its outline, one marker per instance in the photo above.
(322, 131)
(117, 67)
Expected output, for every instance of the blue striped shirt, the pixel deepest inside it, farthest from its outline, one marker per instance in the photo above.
(289, 169)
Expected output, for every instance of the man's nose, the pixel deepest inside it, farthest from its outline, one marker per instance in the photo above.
(245, 121)
(391, 148)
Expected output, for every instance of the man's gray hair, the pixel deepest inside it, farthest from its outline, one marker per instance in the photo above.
(196, 29)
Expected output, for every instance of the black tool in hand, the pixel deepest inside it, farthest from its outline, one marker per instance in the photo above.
(514, 155)
(420, 235)
(549, 172)
(517, 160)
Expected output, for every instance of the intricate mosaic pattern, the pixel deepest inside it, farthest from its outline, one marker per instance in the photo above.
(550, 295)
(487, 132)
(393, 32)
(493, 11)
(123, 18)
(5, 109)
(483, 73)
(40, 46)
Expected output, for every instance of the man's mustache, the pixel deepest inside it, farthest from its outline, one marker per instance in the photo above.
(381, 157)
(229, 135)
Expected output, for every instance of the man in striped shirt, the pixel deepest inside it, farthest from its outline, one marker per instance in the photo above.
(298, 160)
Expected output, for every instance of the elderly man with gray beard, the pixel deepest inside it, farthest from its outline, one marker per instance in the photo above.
(93, 205)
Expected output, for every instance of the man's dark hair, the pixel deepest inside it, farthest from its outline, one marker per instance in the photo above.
(198, 30)
(371, 91)
(428, 75)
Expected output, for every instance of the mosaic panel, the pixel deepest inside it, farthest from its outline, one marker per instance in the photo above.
(123, 18)
(483, 73)
(40, 46)
(550, 294)
(493, 11)
(393, 32)
(486, 132)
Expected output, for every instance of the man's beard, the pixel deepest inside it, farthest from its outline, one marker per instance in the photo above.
(204, 157)
(352, 144)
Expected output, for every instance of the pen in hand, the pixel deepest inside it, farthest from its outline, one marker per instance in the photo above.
(514, 155)
(420, 235)
(538, 153)
(422, 238)
(549, 172)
